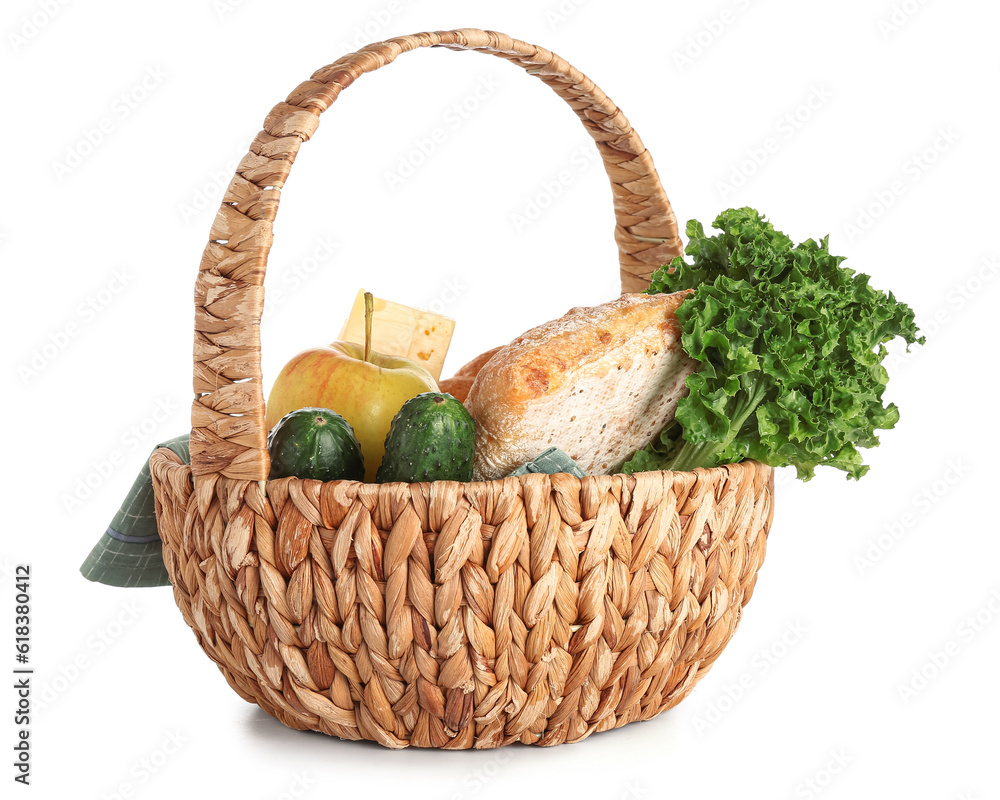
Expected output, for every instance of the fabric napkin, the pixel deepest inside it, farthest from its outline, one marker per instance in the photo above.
(129, 553)
(550, 462)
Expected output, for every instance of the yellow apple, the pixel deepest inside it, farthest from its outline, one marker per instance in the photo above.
(366, 388)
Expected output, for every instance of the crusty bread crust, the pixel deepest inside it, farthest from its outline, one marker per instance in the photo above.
(472, 368)
(458, 385)
(598, 382)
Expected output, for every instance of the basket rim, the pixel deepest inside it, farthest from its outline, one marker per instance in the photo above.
(170, 459)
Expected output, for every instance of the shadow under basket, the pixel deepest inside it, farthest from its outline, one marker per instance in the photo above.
(535, 609)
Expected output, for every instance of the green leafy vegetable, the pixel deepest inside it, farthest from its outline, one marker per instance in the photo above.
(790, 346)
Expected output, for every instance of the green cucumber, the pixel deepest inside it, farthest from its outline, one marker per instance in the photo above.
(315, 443)
(432, 438)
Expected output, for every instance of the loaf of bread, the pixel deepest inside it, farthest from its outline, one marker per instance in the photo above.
(458, 385)
(599, 383)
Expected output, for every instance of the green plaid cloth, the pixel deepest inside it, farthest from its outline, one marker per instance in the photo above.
(129, 553)
(550, 462)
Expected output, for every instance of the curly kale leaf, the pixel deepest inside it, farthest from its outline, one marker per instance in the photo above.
(790, 347)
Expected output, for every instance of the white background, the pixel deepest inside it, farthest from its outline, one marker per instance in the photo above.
(806, 700)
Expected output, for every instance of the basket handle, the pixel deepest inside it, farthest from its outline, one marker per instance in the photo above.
(228, 432)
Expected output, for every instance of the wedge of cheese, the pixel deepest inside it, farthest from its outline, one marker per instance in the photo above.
(399, 330)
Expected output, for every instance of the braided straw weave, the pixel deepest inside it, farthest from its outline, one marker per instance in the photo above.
(536, 609)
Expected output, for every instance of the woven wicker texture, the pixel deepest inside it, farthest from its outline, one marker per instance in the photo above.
(537, 609)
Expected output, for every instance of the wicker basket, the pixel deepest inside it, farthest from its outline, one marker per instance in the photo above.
(537, 609)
